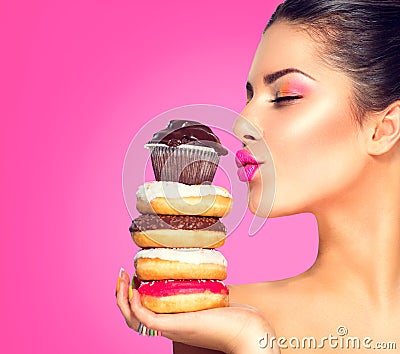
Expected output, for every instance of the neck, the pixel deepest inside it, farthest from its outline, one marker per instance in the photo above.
(360, 240)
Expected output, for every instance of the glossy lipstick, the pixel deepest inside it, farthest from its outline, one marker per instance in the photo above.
(247, 164)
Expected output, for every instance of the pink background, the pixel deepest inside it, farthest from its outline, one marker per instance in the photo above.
(77, 80)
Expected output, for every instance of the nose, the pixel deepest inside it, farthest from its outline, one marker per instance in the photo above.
(246, 130)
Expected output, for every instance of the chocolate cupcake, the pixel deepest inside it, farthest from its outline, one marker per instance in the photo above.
(186, 152)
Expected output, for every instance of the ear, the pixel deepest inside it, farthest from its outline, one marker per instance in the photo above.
(385, 130)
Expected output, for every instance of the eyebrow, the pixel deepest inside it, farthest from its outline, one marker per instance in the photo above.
(270, 78)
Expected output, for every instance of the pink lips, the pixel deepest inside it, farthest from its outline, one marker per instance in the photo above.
(248, 166)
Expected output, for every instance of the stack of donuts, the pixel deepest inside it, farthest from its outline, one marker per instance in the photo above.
(178, 268)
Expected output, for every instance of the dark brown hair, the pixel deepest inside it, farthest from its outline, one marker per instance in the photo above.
(360, 37)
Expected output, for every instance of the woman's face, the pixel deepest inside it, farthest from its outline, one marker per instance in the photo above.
(301, 108)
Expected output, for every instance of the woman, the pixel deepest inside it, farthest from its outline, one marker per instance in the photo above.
(324, 93)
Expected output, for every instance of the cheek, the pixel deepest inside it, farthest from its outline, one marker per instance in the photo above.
(314, 149)
(310, 135)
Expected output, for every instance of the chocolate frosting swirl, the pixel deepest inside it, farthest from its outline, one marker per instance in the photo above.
(180, 132)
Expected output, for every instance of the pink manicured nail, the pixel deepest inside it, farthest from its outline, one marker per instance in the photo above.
(120, 272)
(119, 280)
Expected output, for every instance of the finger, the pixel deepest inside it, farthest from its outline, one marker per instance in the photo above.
(122, 295)
(125, 277)
(159, 322)
(144, 315)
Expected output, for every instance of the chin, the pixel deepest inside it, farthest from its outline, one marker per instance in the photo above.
(265, 205)
(253, 207)
(258, 204)
(261, 192)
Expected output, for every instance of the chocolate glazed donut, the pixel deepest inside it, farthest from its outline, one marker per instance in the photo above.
(151, 230)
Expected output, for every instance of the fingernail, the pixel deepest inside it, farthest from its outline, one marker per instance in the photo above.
(130, 293)
(119, 280)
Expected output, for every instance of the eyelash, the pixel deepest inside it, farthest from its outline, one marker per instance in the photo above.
(285, 99)
(278, 100)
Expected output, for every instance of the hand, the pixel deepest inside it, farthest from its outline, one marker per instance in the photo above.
(233, 329)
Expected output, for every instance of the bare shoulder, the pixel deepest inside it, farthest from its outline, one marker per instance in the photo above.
(255, 294)
(275, 299)
(264, 296)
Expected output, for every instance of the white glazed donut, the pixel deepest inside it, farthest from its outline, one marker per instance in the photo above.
(181, 263)
(174, 198)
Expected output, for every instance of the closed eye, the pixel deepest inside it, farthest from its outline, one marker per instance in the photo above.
(285, 99)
